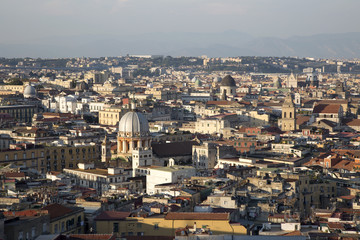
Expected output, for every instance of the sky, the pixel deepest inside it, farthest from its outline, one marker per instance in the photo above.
(24, 20)
(42, 27)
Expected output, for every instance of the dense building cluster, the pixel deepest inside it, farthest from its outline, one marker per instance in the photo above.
(147, 147)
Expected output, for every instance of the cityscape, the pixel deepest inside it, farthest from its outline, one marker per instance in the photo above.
(244, 133)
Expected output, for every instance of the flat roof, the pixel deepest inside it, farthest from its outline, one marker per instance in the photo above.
(97, 171)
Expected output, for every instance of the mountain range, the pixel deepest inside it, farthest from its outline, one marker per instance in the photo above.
(225, 44)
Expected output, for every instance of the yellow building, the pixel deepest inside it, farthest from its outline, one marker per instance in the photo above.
(65, 220)
(161, 94)
(65, 83)
(50, 158)
(122, 224)
(288, 119)
(111, 115)
(12, 88)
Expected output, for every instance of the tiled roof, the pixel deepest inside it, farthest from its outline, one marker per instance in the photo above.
(348, 197)
(112, 215)
(57, 210)
(302, 119)
(14, 175)
(353, 122)
(336, 225)
(345, 164)
(25, 213)
(196, 216)
(327, 108)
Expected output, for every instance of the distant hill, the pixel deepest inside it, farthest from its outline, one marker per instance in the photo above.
(229, 43)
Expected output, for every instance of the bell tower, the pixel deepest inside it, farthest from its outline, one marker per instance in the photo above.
(288, 119)
(105, 150)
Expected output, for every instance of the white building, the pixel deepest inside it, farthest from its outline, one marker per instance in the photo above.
(197, 97)
(171, 174)
(100, 179)
(141, 157)
(291, 81)
(96, 106)
(204, 156)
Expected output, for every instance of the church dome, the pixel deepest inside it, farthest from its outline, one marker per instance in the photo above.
(29, 91)
(133, 124)
(228, 81)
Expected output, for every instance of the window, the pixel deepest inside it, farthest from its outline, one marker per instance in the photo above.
(156, 226)
(116, 227)
(139, 225)
(79, 221)
(33, 232)
(21, 236)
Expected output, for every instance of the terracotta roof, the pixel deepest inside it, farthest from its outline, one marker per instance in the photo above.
(14, 175)
(327, 108)
(302, 119)
(336, 225)
(196, 216)
(345, 164)
(348, 197)
(353, 122)
(112, 215)
(57, 210)
(25, 213)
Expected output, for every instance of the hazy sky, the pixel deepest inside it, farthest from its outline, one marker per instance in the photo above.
(23, 20)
